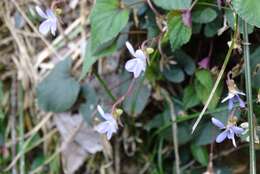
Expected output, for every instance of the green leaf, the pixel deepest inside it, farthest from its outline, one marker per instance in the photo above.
(184, 135)
(58, 91)
(204, 15)
(248, 10)
(185, 62)
(190, 98)
(200, 154)
(90, 59)
(230, 19)
(151, 26)
(205, 78)
(203, 87)
(207, 134)
(135, 103)
(211, 29)
(138, 5)
(86, 109)
(107, 20)
(179, 34)
(255, 63)
(174, 74)
(173, 4)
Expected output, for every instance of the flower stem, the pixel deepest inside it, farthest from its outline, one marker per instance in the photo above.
(122, 98)
(103, 83)
(219, 75)
(249, 99)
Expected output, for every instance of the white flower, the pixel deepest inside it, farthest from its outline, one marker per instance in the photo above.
(50, 22)
(109, 126)
(138, 63)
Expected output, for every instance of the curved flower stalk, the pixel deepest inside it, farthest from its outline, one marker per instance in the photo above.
(50, 21)
(138, 63)
(233, 95)
(109, 126)
(229, 131)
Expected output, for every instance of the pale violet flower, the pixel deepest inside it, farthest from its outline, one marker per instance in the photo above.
(138, 63)
(229, 131)
(50, 21)
(233, 95)
(109, 126)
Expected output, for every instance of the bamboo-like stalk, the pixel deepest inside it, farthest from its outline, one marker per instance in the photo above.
(249, 99)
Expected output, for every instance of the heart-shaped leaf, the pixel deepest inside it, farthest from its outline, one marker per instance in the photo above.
(204, 15)
(107, 20)
(190, 98)
(248, 10)
(58, 91)
(203, 87)
(86, 109)
(174, 74)
(173, 4)
(135, 103)
(200, 154)
(179, 33)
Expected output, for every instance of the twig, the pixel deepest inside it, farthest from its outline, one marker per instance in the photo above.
(249, 100)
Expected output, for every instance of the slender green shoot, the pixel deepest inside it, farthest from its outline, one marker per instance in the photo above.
(249, 99)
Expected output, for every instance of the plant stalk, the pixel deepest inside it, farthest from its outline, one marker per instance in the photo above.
(21, 129)
(249, 99)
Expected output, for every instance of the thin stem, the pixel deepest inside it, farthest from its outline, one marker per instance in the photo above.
(193, 4)
(152, 8)
(249, 100)
(219, 77)
(13, 118)
(122, 98)
(211, 5)
(21, 128)
(103, 83)
(174, 130)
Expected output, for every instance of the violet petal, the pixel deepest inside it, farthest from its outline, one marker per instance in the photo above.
(230, 104)
(221, 137)
(238, 130)
(241, 102)
(217, 123)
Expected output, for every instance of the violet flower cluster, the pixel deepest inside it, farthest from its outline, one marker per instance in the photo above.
(230, 130)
